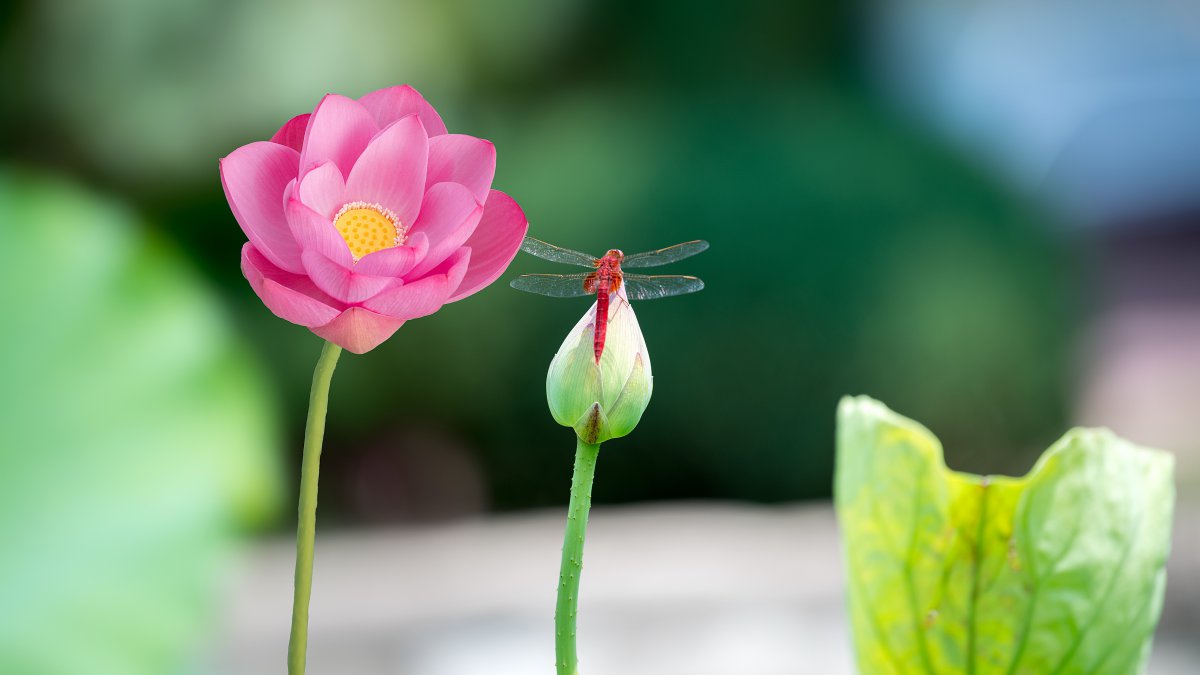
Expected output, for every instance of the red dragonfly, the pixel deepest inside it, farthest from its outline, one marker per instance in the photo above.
(609, 276)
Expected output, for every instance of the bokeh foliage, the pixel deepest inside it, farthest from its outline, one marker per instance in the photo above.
(850, 252)
(135, 439)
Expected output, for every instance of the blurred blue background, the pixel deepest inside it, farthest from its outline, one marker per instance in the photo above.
(983, 213)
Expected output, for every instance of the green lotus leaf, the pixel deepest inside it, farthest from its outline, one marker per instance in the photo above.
(1060, 571)
(135, 439)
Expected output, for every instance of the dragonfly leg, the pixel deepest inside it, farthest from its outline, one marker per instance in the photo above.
(618, 303)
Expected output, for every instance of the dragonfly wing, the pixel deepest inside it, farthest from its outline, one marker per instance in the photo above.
(557, 254)
(664, 256)
(553, 285)
(643, 287)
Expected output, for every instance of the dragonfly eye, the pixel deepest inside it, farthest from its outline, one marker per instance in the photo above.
(615, 253)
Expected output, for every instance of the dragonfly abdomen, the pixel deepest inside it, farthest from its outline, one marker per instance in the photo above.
(601, 323)
(606, 281)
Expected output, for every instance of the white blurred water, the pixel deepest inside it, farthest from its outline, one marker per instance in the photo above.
(697, 589)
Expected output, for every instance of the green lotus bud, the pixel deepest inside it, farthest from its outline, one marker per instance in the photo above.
(605, 399)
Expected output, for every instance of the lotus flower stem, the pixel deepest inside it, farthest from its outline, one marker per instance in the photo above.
(566, 658)
(306, 528)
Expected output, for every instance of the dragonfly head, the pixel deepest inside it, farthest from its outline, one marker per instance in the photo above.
(616, 254)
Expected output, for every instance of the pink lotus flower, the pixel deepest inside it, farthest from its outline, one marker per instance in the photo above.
(365, 214)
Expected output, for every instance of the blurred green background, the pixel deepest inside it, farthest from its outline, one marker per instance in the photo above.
(851, 253)
(854, 250)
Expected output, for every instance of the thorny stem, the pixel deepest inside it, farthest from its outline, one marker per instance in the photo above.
(566, 659)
